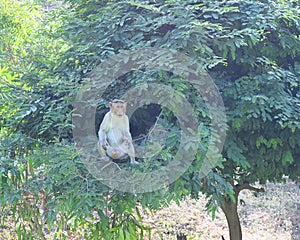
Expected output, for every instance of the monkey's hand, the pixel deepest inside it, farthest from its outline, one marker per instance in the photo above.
(103, 144)
(127, 140)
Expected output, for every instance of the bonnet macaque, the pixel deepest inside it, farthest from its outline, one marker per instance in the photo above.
(115, 141)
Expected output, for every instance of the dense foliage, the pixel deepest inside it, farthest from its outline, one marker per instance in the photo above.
(249, 48)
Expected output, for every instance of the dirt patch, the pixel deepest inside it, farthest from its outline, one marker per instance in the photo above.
(272, 215)
(295, 218)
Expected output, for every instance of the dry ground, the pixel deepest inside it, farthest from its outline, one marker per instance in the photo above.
(273, 215)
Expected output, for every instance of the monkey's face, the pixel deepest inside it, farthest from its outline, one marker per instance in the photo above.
(118, 109)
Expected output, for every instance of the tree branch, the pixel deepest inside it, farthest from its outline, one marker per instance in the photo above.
(247, 186)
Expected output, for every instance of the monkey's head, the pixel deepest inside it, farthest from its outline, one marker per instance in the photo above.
(118, 107)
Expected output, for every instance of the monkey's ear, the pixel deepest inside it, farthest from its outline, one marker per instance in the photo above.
(111, 105)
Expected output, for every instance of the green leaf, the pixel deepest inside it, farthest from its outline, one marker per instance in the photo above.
(287, 158)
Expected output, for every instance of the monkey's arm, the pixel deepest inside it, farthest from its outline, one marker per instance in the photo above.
(127, 134)
(102, 139)
(102, 133)
(128, 142)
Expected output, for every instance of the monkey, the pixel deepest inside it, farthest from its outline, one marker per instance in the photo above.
(115, 141)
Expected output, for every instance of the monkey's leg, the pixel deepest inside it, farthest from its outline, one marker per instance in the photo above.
(131, 154)
(103, 153)
(128, 150)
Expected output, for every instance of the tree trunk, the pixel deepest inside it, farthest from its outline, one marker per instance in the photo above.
(230, 210)
(181, 236)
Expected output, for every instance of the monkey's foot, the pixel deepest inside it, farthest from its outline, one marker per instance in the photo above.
(133, 162)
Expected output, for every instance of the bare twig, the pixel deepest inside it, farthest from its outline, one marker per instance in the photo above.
(248, 187)
(109, 163)
(151, 130)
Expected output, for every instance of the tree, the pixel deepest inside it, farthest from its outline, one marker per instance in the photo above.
(262, 97)
(250, 48)
(32, 113)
